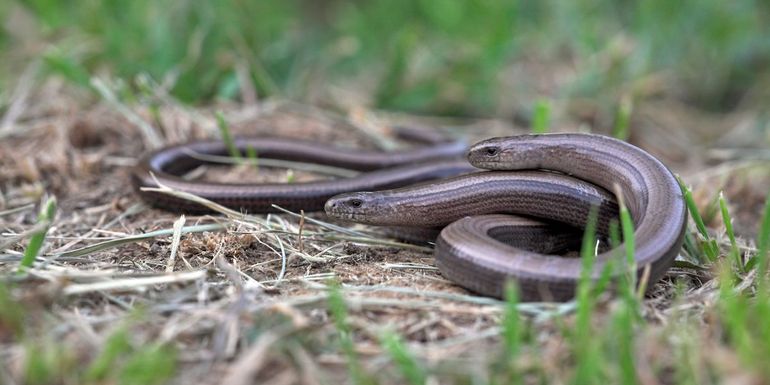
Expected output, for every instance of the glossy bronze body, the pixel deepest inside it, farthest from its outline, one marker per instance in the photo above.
(556, 177)
(466, 252)
(379, 170)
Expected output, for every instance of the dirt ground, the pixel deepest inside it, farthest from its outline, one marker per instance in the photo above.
(236, 292)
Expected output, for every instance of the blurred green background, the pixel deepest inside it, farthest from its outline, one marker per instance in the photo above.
(454, 57)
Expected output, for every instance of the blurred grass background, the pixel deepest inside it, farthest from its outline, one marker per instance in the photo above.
(454, 57)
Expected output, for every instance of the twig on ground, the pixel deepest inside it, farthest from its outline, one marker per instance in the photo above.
(177, 236)
(211, 227)
(133, 283)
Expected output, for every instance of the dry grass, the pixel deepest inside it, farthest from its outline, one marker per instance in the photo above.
(242, 297)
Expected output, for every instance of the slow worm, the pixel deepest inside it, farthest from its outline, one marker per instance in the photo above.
(482, 251)
(471, 251)
(436, 158)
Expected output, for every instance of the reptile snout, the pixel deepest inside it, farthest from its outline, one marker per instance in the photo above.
(344, 204)
(331, 206)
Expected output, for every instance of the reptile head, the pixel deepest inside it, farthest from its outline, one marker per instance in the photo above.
(354, 207)
(508, 153)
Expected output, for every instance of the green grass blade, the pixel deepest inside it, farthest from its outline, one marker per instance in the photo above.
(11, 313)
(710, 247)
(541, 117)
(615, 238)
(587, 254)
(339, 313)
(409, 367)
(606, 277)
(733, 310)
(588, 356)
(627, 229)
(511, 328)
(67, 68)
(763, 243)
(512, 334)
(709, 213)
(735, 253)
(153, 364)
(37, 369)
(621, 130)
(629, 310)
(46, 216)
(116, 345)
(227, 138)
(624, 321)
(692, 250)
(252, 156)
(629, 284)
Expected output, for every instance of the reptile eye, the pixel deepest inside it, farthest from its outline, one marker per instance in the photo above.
(492, 151)
(356, 202)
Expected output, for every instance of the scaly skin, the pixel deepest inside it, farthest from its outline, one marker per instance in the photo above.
(467, 255)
